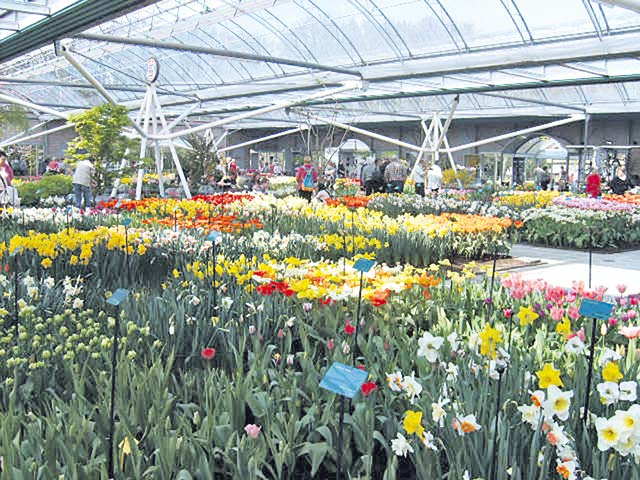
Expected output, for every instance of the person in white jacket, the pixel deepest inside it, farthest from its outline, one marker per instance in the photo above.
(434, 178)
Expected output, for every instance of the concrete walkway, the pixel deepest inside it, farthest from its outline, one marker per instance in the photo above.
(561, 267)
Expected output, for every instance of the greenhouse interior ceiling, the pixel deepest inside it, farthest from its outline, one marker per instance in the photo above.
(351, 61)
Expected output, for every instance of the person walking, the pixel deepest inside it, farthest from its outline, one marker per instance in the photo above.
(395, 175)
(418, 176)
(5, 169)
(307, 179)
(82, 183)
(545, 178)
(434, 178)
(370, 176)
(594, 181)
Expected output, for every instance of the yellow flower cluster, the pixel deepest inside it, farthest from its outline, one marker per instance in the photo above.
(347, 242)
(148, 178)
(80, 244)
(537, 199)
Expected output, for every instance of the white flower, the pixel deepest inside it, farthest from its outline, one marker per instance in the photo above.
(394, 381)
(290, 322)
(226, 303)
(628, 391)
(438, 412)
(452, 371)
(400, 446)
(453, 340)
(172, 329)
(530, 415)
(609, 433)
(557, 403)
(609, 392)
(411, 387)
(556, 435)
(574, 345)
(630, 419)
(345, 348)
(429, 346)
(609, 356)
(78, 303)
(194, 300)
(427, 441)
(466, 424)
(49, 282)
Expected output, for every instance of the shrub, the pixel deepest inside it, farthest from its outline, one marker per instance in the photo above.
(51, 185)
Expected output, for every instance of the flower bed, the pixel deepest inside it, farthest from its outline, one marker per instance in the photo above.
(223, 346)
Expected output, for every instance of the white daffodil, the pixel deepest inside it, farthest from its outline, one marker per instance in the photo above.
(575, 346)
(609, 392)
(557, 403)
(530, 415)
(428, 441)
(438, 412)
(630, 419)
(610, 432)
(411, 387)
(609, 356)
(394, 381)
(556, 435)
(400, 446)
(466, 424)
(429, 346)
(452, 338)
(628, 391)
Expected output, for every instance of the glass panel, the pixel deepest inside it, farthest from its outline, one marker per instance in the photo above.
(490, 26)
(553, 18)
(618, 17)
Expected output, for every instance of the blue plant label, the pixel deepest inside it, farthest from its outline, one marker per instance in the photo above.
(68, 210)
(126, 222)
(344, 380)
(117, 297)
(595, 309)
(364, 265)
(213, 235)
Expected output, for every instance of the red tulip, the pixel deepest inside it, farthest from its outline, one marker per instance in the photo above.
(368, 387)
(208, 353)
(349, 329)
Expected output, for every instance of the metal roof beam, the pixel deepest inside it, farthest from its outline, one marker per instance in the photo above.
(216, 52)
(23, 7)
(75, 18)
(8, 25)
(580, 67)
(531, 100)
(633, 5)
(55, 83)
(525, 56)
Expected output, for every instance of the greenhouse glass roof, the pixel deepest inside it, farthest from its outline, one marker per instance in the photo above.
(506, 58)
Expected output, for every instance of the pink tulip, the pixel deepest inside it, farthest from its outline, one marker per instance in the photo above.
(631, 314)
(613, 321)
(574, 313)
(630, 332)
(330, 344)
(621, 288)
(252, 430)
(557, 313)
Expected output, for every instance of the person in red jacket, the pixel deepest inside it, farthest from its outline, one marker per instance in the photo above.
(594, 181)
(307, 179)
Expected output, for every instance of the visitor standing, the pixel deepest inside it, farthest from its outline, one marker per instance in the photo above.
(434, 178)
(5, 169)
(620, 183)
(545, 178)
(82, 182)
(395, 175)
(370, 176)
(538, 172)
(594, 181)
(418, 176)
(307, 178)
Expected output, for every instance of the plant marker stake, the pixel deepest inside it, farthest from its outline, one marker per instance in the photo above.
(355, 339)
(115, 300)
(494, 456)
(67, 220)
(590, 254)
(15, 294)
(112, 420)
(340, 438)
(590, 372)
(493, 276)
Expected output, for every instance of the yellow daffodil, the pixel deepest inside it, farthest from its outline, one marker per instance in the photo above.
(549, 376)
(489, 340)
(527, 316)
(611, 372)
(564, 327)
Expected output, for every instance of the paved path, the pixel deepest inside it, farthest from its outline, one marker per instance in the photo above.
(561, 267)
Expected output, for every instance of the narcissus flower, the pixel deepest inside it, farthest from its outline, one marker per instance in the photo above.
(549, 376)
(609, 432)
(557, 403)
(466, 424)
(400, 446)
(611, 372)
(429, 346)
(526, 315)
(489, 339)
(413, 422)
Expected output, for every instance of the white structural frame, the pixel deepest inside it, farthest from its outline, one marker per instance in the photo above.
(264, 139)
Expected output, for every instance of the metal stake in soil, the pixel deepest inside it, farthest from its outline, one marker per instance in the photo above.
(114, 365)
(340, 439)
(587, 393)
